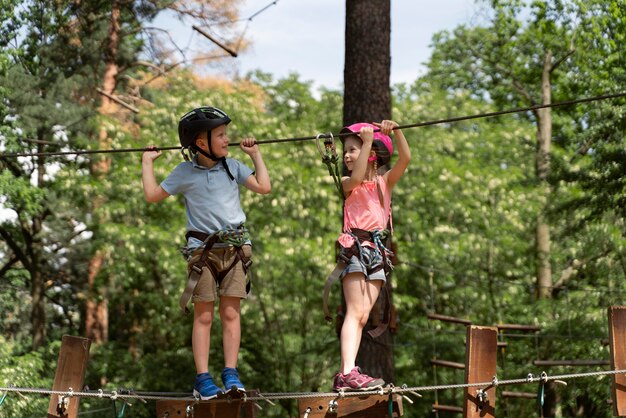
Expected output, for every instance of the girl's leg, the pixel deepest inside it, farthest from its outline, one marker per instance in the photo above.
(230, 314)
(360, 297)
(201, 334)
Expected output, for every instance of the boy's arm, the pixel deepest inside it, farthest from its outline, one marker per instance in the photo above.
(404, 152)
(151, 190)
(259, 182)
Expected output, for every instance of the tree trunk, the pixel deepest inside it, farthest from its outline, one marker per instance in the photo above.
(34, 253)
(96, 311)
(544, 138)
(367, 98)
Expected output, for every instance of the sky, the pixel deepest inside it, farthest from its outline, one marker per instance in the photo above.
(307, 37)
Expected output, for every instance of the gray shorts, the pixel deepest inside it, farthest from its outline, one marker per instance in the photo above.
(370, 255)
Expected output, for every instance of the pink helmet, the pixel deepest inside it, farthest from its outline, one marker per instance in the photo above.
(378, 137)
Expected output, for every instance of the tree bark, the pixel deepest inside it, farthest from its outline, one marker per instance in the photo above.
(544, 138)
(367, 98)
(96, 309)
(34, 265)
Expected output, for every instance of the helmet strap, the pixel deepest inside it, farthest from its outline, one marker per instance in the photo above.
(214, 158)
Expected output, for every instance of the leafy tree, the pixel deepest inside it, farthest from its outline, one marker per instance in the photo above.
(42, 110)
(516, 63)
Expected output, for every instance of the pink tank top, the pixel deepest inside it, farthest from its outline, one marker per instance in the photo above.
(362, 210)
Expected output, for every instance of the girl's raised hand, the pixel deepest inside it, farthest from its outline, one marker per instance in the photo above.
(367, 134)
(386, 126)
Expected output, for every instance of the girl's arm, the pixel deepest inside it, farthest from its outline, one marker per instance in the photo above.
(360, 165)
(404, 153)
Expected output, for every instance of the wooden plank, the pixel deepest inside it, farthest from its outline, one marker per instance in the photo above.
(70, 373)
(447, 408)
(524, 395)
(235, 408)
(548, 363)
(249, 409)
(446, 318)
(198, 409)
(518, 327)
(366, 406)
(480, 366)
(445, 363)
(617, 344)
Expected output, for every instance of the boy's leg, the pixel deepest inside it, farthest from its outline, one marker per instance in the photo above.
(230, 315)
(360, 297)
(201, 334)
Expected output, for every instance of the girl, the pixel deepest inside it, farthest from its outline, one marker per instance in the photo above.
(367, 220)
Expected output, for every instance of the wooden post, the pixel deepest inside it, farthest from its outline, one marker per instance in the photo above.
(70, 373)
(617, 343)
(366, 406)
(480, 366)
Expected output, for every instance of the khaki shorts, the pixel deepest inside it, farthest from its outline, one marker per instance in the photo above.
(233, 284)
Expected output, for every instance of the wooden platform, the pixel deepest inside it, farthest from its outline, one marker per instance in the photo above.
(367, 406)
(223, 408)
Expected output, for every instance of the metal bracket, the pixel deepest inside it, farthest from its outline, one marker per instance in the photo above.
(333, 406)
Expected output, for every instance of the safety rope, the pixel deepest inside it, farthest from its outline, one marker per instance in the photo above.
(331, 159)
(340, 135)
(113, 395)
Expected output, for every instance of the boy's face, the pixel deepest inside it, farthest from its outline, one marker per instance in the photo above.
(219, 144)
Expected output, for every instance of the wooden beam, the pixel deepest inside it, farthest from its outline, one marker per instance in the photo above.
(446, 318)
(70, 373)
(617, 344)
(447, 408)
(480, 366)
(215, 408)
(366, 406)
(518, 327)
(524, 395)
(445, 363)
(548, 363)
(198, 409)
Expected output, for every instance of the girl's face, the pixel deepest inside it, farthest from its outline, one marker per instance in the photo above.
(351, 151)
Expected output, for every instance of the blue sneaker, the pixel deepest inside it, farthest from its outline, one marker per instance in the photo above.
(205, 387)
(231, 381)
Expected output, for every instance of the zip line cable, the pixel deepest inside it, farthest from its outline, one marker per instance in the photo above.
(330, 135)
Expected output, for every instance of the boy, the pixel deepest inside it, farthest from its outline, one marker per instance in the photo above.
(218, 244)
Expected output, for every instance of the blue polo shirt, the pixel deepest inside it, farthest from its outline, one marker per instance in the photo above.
(211, 197)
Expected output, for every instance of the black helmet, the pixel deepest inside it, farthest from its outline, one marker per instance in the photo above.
(198, 120)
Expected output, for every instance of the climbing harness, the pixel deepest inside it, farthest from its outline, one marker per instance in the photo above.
(235, 237)
(382, 262)
(331, 159)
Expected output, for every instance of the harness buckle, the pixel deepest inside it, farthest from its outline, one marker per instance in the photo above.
(197, 267)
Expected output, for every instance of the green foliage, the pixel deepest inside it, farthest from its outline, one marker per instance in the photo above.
(463, 215)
